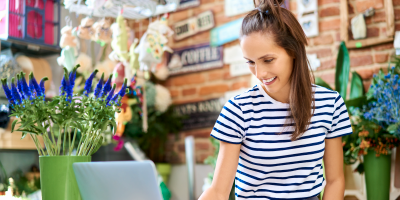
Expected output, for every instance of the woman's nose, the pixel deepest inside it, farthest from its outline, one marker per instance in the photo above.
(260, 72)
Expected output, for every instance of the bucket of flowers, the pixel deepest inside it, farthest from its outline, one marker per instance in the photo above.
(71, 125)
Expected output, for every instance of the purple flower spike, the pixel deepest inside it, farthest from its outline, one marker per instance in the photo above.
(88, 84)
(25, 87)
(123, 89)
(72, 76)
(33, 82)
(99, 86)
(7, 91)
(16, 96)
(64, 83)
(110, 95)
(115, 98)
(19, 86)
(107, 87)
(41, 85)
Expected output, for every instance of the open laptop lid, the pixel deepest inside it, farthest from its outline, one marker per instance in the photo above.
(122, 180)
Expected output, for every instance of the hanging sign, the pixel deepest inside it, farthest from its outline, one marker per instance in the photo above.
(201, 114)
(184, 4)
(236, 7)
(191, 26)
(195, 58)
(226, 33)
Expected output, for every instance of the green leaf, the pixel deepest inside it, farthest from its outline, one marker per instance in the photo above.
(356, 102)
(13, 125)
(357, 87)
(393, 128)
(320, 82)
(28, 131)
(23, 135)
(342, 70)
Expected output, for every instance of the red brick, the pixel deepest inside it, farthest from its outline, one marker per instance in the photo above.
(328, 78)
(329, 11)
(221, 19)
(215, 8)
(372, 32)
(202, 156)
(190, 91)
(333, 24)
(174, 93)
(323, 39)
(180, 15)
(217, 74)
(396, 14)
(227, 75)
(365, 73)
(384, 46)
(212, 89)
(321, 2)
(238, 85)
(201, 37)
(367, 85)
(337, 37)
(397, 26)
(379, 17)
(204, 133)
(194, 78)
(381, 58)
(181, 147)
(396, 2)
(362, 6)
(350, 8)
(362, 60)
(327, 64)
(202, 146)
(321, 53)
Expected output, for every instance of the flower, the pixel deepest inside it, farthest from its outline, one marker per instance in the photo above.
(107, 87)
(88, 83)
(33, 83)
(19, 86)
(110, 95)
(122, 92)
(364, 144)
(99, 86)
(41, 84)
(25, 87)
(363, 133)
(16, 96)
(7, 91)
(72, 76)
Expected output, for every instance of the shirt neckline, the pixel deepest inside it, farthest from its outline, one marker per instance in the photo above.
(270, 98)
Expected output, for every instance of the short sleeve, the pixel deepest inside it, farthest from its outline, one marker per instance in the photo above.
(230, 124)
(341, 125)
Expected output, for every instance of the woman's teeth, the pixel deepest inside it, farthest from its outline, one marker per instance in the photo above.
(269, 80)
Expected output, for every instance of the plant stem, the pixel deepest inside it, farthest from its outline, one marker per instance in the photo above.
(40, 145)
(94, 146)
(80, 144)
(36, 144)
(65, 138)
(87, 137)
(71, 147)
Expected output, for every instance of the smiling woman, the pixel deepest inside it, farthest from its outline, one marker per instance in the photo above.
(275, 135)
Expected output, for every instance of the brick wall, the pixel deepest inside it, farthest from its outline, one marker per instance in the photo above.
(214, 83)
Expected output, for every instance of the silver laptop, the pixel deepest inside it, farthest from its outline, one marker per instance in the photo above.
(122, 180)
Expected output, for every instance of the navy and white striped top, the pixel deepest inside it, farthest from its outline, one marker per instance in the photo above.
(271, 166)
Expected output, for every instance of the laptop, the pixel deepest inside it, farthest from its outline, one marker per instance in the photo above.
(121, 180)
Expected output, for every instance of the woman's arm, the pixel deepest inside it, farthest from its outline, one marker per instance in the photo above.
(227, 162)
(333, 161)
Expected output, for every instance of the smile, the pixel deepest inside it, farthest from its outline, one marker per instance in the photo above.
(269, 80)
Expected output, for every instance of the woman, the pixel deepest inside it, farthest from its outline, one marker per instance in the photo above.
(274, 136)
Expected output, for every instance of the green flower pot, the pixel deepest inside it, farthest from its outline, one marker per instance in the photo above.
(164, 169)
(377, 176)
(57, 178)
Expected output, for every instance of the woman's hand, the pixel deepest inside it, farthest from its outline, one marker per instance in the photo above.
(228, 158)
(333, 163)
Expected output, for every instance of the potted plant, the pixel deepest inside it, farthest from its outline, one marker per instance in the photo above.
(58, 121)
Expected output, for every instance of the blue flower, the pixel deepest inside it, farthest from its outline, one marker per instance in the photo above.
(36, 87)
(72, 76)
(25, 87)
(7, 91)
(107, 87)
(88, 84)
(19, 86)
(121, 92)
(115, 98)
(110, 95)
(99, 86)
(16, 96)
(41, 84)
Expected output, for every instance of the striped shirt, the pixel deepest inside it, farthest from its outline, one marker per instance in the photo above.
(271, 166)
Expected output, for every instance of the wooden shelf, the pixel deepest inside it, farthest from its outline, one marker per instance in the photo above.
(353, 44)
(13, 141)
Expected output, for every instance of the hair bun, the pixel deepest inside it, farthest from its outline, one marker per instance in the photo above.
(264, 5)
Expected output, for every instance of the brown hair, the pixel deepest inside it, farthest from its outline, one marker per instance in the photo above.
(269, 17)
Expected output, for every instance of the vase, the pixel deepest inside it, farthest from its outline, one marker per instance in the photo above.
(377, 175)
(164, 169)
(57, 178)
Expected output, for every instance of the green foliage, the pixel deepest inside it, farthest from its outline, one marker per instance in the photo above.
(153, 142)
(342, 70)
(3, 178)
(24, 186)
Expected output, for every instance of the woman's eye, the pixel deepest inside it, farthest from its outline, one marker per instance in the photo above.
(251, 63)
(268, 61)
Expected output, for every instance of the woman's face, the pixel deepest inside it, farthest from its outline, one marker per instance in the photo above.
(268, 62)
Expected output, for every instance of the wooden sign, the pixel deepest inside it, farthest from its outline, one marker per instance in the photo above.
(204, 21)
(200, 114)
(185, 4)
(226, 33)
(195, 58)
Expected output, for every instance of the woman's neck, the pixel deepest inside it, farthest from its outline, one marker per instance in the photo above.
(282, 95)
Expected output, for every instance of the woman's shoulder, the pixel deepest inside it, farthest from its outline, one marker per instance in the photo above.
(321, 91)
(247, 95)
